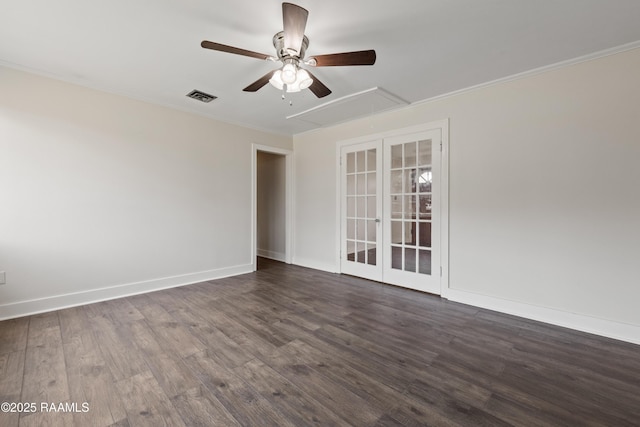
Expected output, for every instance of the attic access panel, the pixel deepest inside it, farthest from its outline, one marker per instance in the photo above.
(357, 105)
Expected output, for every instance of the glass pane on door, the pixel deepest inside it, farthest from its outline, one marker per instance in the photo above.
(361, 212)
(410, 201)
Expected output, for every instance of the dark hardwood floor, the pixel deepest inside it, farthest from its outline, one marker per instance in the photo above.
(289, 346)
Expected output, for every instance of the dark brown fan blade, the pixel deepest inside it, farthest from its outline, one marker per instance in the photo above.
(317, 87)
(230, 49)
(361, 57)
(294, 20)
(258, 84)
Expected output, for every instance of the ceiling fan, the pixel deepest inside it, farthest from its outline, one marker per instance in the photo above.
(291, 45)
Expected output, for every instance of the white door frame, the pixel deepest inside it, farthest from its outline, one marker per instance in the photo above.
(288, 220)
(443, 126)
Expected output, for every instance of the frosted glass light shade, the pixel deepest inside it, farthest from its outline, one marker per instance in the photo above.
(276, 80)
(288, 74)
(303, 79)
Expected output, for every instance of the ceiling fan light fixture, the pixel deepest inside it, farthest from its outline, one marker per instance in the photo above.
(302, 81)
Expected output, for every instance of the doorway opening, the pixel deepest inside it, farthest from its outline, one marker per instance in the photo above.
(271, 204)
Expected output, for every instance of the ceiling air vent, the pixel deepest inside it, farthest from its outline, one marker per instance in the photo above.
(201, 96)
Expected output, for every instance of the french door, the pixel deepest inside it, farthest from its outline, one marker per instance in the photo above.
(390, 210)
(361, 167)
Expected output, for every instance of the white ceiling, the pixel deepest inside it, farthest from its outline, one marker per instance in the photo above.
(150, 49)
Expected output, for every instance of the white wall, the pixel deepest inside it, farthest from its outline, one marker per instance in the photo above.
(102, 196)
(544, 200)
(271, 205)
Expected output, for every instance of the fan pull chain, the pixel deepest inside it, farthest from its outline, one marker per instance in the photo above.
(284, 92)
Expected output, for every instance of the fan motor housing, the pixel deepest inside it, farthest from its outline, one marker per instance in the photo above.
(278, 43)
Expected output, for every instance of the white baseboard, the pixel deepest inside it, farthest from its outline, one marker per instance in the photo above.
(302, 262)
(277, 256)
(57, 302)
(607, 328)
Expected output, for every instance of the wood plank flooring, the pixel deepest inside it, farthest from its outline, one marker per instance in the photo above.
(289, 346)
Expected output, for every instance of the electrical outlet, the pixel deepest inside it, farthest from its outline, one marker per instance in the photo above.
(3, 278)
